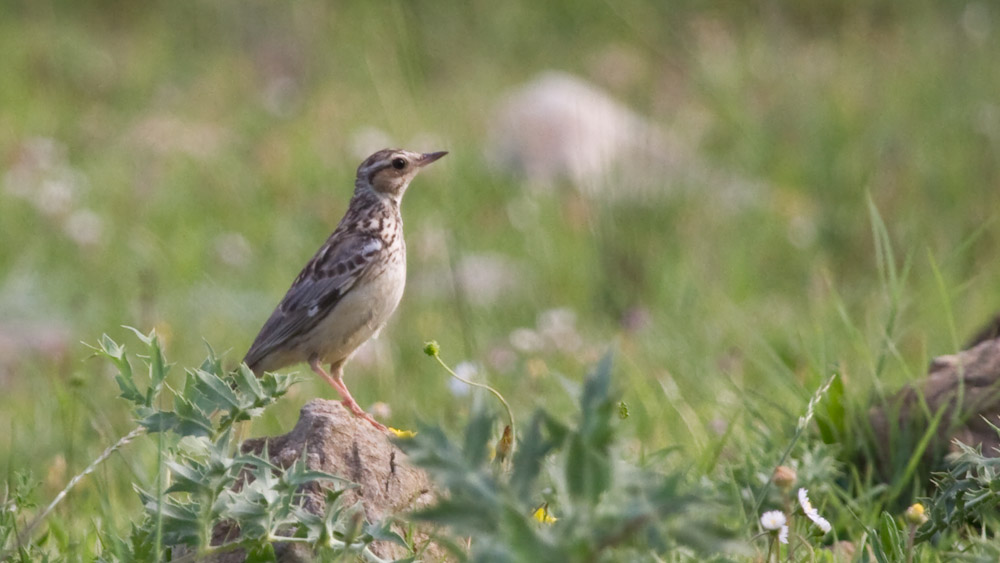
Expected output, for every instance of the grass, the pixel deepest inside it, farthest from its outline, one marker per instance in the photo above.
(186, 128)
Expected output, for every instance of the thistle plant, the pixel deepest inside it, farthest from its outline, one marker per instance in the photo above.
(210, 498)
(569, 494)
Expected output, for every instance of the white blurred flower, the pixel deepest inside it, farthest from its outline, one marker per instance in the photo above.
(168, 134)
(381, 410)
(802, 231)
(525, 340)
(783, 535)
(558, 327)
(465, 370)
(772, 520)
(479, 279)
(484, 279)
(280, 94)
(37, 160)
(55, 196)
(812, 513)
(85, 227)
(804, 500)
(502, 359)
(233, 249)
(458, 388)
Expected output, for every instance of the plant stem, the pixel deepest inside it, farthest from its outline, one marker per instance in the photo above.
(158, 538)
(799, 431)
(510, 415)
(909, 543)
(26, 534)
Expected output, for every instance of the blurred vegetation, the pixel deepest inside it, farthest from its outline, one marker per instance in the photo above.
(172, 165)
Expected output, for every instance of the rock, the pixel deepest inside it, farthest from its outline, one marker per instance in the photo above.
(966, 385)
(560, 128)
(338, 443)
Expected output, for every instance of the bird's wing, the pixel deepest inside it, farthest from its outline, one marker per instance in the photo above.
(320, 286)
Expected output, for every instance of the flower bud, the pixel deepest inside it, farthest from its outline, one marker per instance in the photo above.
(784, 477)
(432, 348)
(505, 445)
(915, 515)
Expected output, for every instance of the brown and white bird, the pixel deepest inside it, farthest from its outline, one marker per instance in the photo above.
(346, 293)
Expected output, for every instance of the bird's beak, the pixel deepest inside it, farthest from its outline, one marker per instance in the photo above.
(430, 157)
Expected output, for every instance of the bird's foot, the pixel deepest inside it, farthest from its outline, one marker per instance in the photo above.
(352, 405)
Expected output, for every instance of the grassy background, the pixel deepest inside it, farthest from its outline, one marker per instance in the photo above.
(183, 129)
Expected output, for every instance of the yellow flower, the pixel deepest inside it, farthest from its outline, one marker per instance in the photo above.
(543, 515)
(915, 514)
(402, 433)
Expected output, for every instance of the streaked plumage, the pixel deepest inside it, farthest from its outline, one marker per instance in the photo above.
(349, 289)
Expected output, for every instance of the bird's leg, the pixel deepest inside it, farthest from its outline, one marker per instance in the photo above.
(336, 380)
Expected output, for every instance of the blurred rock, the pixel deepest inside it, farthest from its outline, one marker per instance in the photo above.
(561, 128)
(965, 385)
(338, 443)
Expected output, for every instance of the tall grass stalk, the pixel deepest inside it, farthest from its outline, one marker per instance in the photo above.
(800, 429)
(25, 536)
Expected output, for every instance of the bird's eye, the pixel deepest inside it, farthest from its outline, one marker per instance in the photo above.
(398, 163)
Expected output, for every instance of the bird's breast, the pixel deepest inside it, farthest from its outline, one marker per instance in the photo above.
(363, 310)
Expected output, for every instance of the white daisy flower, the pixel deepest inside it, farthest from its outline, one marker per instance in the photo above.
(772, 520)
(812, 513)
(783, 535)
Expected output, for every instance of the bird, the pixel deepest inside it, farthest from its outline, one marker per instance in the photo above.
(345, 294)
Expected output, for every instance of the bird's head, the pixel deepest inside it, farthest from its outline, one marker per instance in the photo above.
(389, 171)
